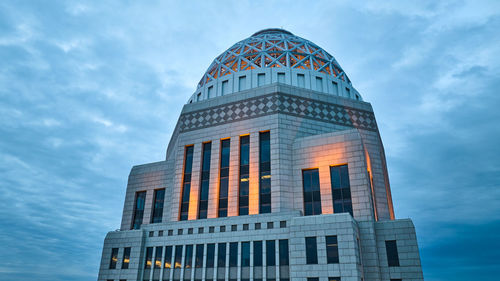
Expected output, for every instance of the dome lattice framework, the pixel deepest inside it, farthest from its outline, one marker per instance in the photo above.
(273, 48)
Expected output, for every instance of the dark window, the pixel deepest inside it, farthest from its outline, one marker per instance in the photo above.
(190, 230)
(233, 254)
(257, 253)
(149, 257)
(198, 262)
(160, 233)
(332, 249)
(245, 226)
(179, 231)
(312, 194)
(244, 175)
(211, 229)
(234, 227)
(151, 233)
(264, 172)
(311, 250)
(178, 256)
(392, 253)
(283, 252)
(205, 180)
(170, 232)
(210, 255)
(159, 198)
(186, 183)
(257, 225)
(114, 258)
(282, 224)
(270, 225)
(158, 254)
(392, 279)
(270, 253)
(333, 278)
(188, 258)
(201, 230)
(126, 258)
(312, 279)
(341, 189)
(168, 257)
(140, 198)
(245, 254)
(224, 177)
(221, 255)
(222, 228)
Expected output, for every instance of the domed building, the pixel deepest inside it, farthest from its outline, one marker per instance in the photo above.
(275, 171)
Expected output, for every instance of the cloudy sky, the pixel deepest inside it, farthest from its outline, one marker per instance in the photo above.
(87, 90)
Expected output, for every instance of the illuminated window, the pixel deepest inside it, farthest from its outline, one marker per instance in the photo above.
(242, 83)
(198, 260)
(205, 180)
(341, 189)
(159, 198)
(281, 77)
(149, 257)
(221, 255)
(114, 258)
(319, 84)
(188, 258)
(301, 80)
(332, 249)
(158, 254)
(244, 175)
(311, 250)
(270, 253)
(210, 255)
(225, 87)
(261, 79)
(257, 253)
(126, 258)
(168, 257)
(140, 198)
(264, 172)
(224, 177)
(392, 253)
(211, 92)
(312, 195)
(245, 254)
(178, 256)
(283, 251)
(186, 182)
(233, 254)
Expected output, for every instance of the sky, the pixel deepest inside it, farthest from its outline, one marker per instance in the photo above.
(89, 89)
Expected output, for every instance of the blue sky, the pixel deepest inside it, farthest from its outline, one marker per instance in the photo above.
(87, 90)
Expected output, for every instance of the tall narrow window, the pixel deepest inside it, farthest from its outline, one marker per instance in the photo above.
(159, 198)
(335, 88)
(281, 77)
(140, 198)
(264, 172)
(233, 254)
(242, 83)
(198, 261)
(114, 258)
(319, 84)
(186, 183)
(392, 253)
(158, 255)
(211, 92)
(126, 258)
(225, 87)
(205, 180)
(178, 256)
(284, 260)
(224, 177)
(168, 257)
(210, 255)
(270, 253)
(311, 250)
(257, 253)
(312, 194)
(301, 80)
(244, 175)
(332, 249)
(221, 255)
(348, 92)
(198, 97)
(245, 254)
(149, 257)
(261, 79)
(188, 258)
(341, 189)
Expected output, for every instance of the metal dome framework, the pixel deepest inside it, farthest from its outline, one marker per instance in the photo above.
(273, 48)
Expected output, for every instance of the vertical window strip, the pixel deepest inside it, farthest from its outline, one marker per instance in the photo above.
(114, 258)
(245, 254)
(204, 181)
(264, 172)
(210, 255)
(221, 255)
(270, 253)
(126, 258)
(178, 256)
(159, 198)
(257, 253)
(283, 252)
(149, 257)
(244, 175)
(188, 258)
(198, 262)
(312, 194)
(158, 254)
(224, 177)
(186, 183)
(168, 257)
(233, 254)
(140, 198)
(341, 189)
(332, 249)
(311, 250)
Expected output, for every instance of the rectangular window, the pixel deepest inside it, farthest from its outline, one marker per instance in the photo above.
(392, 279)
(178, 256)
(284, 260)
(186, 182)
(205, 180)
(245, 254)
(211, 92)
(188, 258)
(312, 194)
(198, 97)
(221, 255)
(149, 257)
(332, 249)
(257, 253)
(159, 198)
(265, 172)
(335, 88)
(225, 87)
(158, 255)
(319, 84)
(198, 262)
(311, 250)
(168, 257)
(270, 253)
(210, 255)
(126, 258)
(341, 189)
(244, 175)
(114, 258)
(312, 279)
(261, 77)
(281, 77)
(333, 278)
(392, 253)
(233, 254)
(224, 177)
(348, 92)
(140, 198)
(242, 83)
(301, 80)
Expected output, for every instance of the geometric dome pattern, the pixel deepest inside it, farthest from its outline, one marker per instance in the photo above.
(273, 47)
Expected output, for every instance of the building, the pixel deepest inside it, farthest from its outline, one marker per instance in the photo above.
(275, 171)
